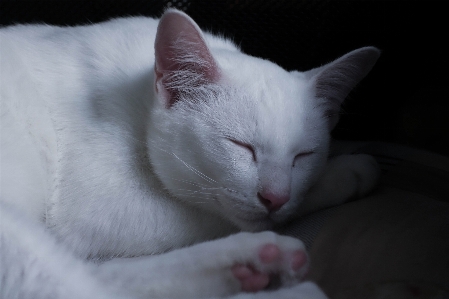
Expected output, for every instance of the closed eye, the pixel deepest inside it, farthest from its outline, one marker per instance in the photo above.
(302, 155)
(248, 147)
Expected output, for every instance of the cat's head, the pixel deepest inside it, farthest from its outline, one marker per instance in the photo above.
(239, 135)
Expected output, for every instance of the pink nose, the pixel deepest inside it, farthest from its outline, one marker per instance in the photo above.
(273, 202)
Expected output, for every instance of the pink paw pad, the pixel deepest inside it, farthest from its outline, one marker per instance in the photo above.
(299, 260)
(253, 280)
(269, 253)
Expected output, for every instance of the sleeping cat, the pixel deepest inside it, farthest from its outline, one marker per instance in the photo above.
(160, 152)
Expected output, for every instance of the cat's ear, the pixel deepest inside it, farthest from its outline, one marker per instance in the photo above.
(183, 59)
(333, 81)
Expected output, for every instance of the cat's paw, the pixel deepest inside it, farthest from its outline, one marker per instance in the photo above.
(254, 280)
(346, 177)
(363, 173)
(244, 262)
(272, 261)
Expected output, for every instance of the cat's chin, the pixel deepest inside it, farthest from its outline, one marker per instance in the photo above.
(255, 225)
(260, 222)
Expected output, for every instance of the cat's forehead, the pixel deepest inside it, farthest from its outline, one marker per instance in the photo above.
(273, 86)
(287, 124)
(247, 69)
(280, 104)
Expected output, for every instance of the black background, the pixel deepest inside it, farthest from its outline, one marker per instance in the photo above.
(404, 99)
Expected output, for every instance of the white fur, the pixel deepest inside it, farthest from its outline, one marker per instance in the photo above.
(91, 149)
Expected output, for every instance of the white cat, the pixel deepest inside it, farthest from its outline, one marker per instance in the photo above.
(139, 138)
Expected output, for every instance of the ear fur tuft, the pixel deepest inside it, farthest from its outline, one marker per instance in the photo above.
(183, 59)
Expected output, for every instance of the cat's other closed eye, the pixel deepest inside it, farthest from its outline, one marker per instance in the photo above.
(246, 146)
(302, 155)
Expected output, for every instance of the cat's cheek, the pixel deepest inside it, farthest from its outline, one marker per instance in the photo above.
(304, 175)
(241, 170)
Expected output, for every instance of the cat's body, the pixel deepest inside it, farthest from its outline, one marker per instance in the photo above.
(121, 155)
(92, 109)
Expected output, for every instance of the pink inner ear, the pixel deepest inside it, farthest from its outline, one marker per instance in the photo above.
(183, 60)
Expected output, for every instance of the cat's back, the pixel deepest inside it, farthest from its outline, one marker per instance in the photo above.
(48, 75)
(56, 53)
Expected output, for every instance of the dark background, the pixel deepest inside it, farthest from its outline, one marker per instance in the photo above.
(403, 100)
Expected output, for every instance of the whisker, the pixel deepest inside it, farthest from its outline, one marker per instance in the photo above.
(196, 171)
(190, 182)
(192, 192)
(201, 200)
(210, 183)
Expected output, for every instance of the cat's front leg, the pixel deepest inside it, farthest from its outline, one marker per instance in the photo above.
(345, 177)
(305, 290)
(244, 262)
